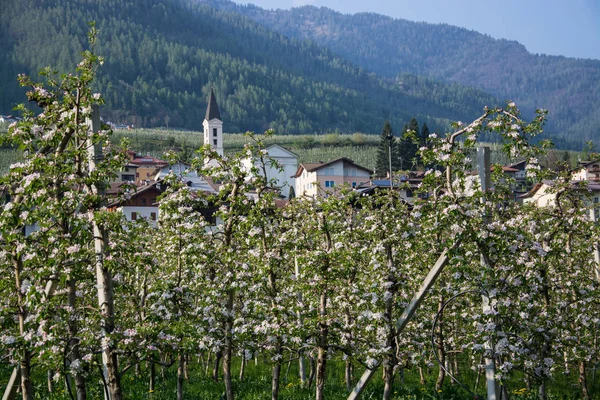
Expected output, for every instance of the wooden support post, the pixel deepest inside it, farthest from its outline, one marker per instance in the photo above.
(484, 166)
(409, 311)
(10, 393)
(15, 378)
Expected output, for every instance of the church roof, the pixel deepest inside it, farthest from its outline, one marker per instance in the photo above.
(212, 111)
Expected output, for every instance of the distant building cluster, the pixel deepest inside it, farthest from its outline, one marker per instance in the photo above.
(141, 181)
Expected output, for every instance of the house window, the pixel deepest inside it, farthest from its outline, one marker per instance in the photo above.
(329, 184)
(143, 202)
(409, 193)
(215, 142)
(329, 171)
(153, 216)
(133, 216)
(215, 132)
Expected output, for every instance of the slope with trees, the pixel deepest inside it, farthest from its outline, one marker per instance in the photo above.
(163, 57)
(569, 88)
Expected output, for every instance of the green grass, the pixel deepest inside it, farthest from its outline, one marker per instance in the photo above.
(256, 385)
(7, 157)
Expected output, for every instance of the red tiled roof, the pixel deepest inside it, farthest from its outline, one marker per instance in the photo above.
(148, 160)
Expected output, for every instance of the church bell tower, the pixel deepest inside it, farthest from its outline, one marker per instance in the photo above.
(213, 125)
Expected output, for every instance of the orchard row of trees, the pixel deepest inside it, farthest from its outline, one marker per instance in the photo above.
(89, 295)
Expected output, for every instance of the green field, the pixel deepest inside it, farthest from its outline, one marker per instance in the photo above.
(360, 147)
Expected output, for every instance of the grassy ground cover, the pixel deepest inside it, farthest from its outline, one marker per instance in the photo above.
(256, 385)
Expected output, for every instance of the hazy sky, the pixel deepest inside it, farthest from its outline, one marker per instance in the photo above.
(559, 27)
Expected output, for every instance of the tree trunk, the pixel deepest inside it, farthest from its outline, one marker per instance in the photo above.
(74, 351)
(583, 381)
(455, 369)
(227, 353)
(25, 362)
(26, 385)
(301, 363)
(215, 372)
(313, 369)
(390, 361)
(50, 382)
(421, 376)
(542, 395)
(388, 379)
(440, 347)
(152, 367)
(322, 346)
(276, 371)
(180, 373)
(243, 367)
(348, 374)
(186, 363)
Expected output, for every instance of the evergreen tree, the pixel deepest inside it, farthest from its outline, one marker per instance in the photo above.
(423, 140)
(382, 166)
(407, 148)
(424, 135)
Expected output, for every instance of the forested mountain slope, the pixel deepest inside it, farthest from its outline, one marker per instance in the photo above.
(569, 88)
(163, 56)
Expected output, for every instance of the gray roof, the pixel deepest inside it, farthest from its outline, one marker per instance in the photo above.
(212, 111)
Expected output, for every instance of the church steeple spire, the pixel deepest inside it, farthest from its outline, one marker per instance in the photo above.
(212, 111)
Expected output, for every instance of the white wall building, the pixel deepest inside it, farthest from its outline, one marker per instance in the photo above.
(281, 165)
(587, 171)
(322, 178)
(191, 178)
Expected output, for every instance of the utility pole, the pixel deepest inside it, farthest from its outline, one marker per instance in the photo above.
(390, 138)
(484, 166)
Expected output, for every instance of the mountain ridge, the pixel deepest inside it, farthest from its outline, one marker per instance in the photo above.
(163, 56)
(568, 87)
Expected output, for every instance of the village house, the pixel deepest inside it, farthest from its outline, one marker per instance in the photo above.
(318, 179)
(127, 174)
(184, 173)
(587, 171)
(280, 167)
(544, 194)
(135, 200)
(147, 166)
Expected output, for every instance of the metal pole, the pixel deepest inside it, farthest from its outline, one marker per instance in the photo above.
(103, 278)
(594, 218)
(390, 138)
(409, 311)
(484, 165)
